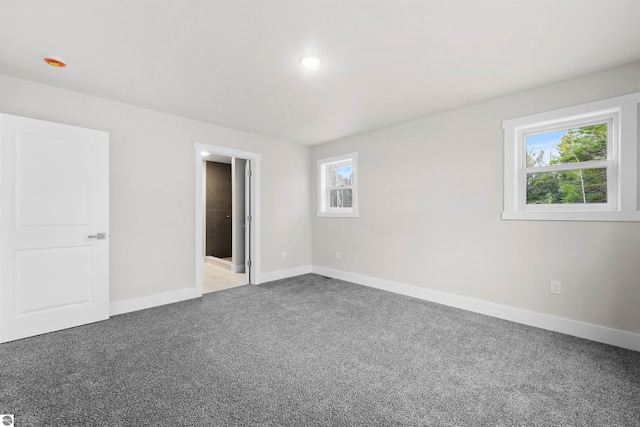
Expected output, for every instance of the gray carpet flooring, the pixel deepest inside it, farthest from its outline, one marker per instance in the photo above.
(312, 351)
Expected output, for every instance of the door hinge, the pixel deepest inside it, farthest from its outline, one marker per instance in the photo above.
(249, 172)
(249, 218)
(248, 263)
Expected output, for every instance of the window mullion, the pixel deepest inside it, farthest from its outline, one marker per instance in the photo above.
(595, 164)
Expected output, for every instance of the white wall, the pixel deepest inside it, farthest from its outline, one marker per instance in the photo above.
(430, 205)
(152, 186)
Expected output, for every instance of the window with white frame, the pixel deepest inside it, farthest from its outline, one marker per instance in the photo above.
(577, 163)
(337, 186)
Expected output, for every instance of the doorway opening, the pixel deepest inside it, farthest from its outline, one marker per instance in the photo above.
(227, 217)
(224, 223)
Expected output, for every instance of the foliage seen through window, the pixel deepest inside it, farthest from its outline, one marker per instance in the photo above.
(581, 185)
(340, 191)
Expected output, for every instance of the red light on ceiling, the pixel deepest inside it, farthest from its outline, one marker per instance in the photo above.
(55, 61)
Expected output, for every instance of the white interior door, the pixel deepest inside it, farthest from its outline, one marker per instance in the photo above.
(248, 212)
(54, 226)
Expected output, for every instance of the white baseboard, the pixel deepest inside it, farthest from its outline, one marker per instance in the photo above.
(134, 304)
(237, 268)
(588, 331)
(283, 274)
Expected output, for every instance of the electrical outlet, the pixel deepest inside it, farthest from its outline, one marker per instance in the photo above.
(555, 287)
(338, 255)
(284, 255)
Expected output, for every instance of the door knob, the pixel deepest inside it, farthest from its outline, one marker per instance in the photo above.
(99, 236)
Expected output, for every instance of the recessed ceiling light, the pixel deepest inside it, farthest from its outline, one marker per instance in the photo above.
(310, 62)
(204, 153)
(54, 61)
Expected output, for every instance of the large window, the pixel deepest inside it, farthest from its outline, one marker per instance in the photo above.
(337, 186)
(578, 163)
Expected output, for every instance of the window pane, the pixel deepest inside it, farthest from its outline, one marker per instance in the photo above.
(340, 176)
(342, 198)
(574, 186)
(567, 146)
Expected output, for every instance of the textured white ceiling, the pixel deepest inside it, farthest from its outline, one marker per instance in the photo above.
(235, 63)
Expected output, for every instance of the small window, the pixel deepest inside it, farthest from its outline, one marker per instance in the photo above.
(578, 163)
(337, 189)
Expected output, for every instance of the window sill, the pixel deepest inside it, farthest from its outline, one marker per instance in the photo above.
(338, 214)
(573, 215)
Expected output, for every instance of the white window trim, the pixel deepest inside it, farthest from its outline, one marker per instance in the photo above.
(622, 187)
(323, 197)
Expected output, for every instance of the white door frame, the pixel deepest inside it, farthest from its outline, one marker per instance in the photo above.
(254, 254)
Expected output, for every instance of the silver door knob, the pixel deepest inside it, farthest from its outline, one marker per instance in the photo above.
(99, 236)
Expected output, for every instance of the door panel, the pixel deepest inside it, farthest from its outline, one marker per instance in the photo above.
(51, 192)
(54, 187)
(218, 211)
(239, 217)
(51, 278)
